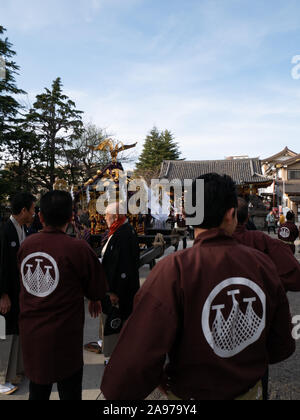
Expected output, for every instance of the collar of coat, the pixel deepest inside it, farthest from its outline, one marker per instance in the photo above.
(240, 229)
(213, 235)
(51, 229)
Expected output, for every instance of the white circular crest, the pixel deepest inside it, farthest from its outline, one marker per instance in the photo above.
(285, 232)
(40, 274)
(115, 323)
(228, 337)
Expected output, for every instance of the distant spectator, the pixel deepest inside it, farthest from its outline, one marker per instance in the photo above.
(13, 234)
(288, 232)
(271, 222)
(36, 225)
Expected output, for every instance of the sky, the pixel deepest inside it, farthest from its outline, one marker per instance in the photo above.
(222, 75)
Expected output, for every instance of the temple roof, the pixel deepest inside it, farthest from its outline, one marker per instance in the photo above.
(284, 155)
(242, 171)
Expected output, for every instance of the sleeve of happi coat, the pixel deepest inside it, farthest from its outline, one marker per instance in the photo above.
(136, 366)
(94, 280)
(287, 265)
(280, 343)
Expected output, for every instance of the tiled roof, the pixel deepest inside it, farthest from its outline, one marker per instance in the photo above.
(242, 171)
(285, 152)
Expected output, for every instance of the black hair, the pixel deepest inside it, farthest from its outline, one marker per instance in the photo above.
(243, 211)
(219, 196)
(56, 208)
(290, 216)
(20, 201)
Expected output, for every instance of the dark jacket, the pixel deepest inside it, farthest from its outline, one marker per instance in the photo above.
(9, 274)
(121, 266)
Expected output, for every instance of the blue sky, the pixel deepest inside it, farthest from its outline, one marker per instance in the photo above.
(217, 73)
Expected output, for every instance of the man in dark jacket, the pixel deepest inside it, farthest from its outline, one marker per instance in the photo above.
(120, 259)
(12, 236)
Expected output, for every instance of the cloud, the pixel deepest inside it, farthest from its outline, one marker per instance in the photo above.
(206, 128)
(209, 72)
(34, 15)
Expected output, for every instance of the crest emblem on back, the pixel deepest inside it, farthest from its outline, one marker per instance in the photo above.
(40, 274)
(285, 232)
(228, 335)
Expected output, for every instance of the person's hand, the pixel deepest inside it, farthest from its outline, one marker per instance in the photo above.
(95, 308)
(5, 304)
(114, 299)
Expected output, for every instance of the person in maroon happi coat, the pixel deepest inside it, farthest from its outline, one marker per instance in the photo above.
(57, 272)
(218, 310)
(288, 231)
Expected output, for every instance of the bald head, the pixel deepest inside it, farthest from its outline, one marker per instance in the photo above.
(243, 212)
(112, 213)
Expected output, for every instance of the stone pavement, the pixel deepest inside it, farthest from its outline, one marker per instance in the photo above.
(284, 377)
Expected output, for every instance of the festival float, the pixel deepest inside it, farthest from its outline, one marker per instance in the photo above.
(153, 241)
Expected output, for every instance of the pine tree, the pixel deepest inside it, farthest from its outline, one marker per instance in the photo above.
(157, 148)
(57, 123)
(170, 149)
(9, 107)
(22, 158)
(14, 142)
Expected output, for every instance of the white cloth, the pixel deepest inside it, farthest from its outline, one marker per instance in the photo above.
(2, 328)
(20, 230)
(105, 247)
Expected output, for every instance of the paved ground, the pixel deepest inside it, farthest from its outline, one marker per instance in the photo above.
(284, 377)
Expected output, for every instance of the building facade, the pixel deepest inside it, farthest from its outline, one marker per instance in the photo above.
(284, 168)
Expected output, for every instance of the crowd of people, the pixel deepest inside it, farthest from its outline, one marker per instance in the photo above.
(206, 324)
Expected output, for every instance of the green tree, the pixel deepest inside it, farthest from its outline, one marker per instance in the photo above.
(169, 150)
(22, 157)
(58, 123)
(13, 140)
(9, 107)
(158, 146)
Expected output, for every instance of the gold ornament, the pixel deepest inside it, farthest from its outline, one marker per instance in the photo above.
(113, 148)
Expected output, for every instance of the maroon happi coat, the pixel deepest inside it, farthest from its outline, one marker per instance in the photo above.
(218, 310)
(280, 253)
(289, 233)
(57, 271)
